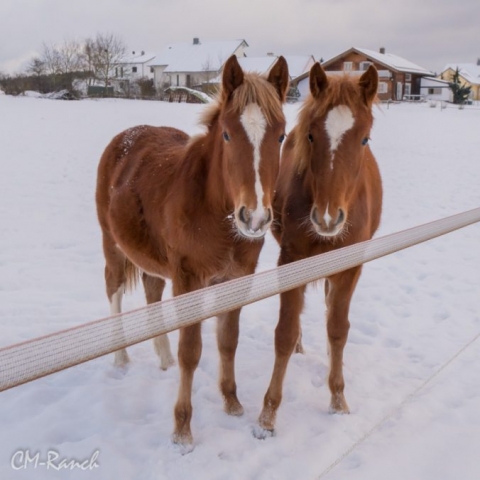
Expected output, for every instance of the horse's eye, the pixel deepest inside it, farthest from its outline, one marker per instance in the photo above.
(226, 136)
(282, 138)
(310, 138)
(365, 141)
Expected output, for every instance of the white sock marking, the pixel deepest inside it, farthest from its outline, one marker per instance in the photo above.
(339, 120)
(255, 125)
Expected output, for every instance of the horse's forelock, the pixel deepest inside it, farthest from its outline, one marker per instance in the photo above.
(254, 89)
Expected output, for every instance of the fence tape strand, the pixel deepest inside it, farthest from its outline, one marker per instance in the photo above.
(27, 361)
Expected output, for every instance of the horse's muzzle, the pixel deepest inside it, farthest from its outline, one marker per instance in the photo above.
(325, 225)
(253, 223)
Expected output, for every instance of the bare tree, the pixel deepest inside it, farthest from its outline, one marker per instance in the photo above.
(36, 69)
(109, 54)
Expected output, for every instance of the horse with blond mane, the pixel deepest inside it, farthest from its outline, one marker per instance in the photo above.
(194, 210)
(328, 196)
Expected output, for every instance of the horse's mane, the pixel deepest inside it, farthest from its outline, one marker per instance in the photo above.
(342, 89)
(254, 89)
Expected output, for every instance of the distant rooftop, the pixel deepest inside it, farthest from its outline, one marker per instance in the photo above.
(196, 56)
(469, 71)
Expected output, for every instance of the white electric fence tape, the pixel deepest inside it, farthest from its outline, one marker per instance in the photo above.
(42, 356)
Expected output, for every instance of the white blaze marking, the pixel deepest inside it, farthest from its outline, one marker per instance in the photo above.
(327, 218)
(255, 125)
(339, 121)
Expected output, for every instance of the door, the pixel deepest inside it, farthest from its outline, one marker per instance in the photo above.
(399, 90)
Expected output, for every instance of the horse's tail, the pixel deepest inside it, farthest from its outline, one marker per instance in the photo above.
(132, 275)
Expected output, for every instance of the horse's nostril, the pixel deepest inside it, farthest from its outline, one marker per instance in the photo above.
(243, 215)
(341, 217)
(269, 216)
(314, 216)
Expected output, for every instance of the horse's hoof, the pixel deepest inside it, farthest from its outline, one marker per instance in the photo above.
(121, 359)
(233, 407)
(184, 442)
(299, 348)
(339, 405)
(262, 433)
(166, 363)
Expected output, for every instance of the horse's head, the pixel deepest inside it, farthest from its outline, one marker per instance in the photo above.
(252, 127)
(333, 134)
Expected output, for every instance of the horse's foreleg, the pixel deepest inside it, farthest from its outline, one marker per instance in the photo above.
(339, 293)
(153, 293)
(227, 340)
(286, 337)
(189, 352)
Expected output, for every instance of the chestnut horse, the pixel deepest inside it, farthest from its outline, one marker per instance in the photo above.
(328, 196)
(194, 210)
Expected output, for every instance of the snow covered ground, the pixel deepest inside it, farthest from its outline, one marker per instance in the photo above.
(412, 312)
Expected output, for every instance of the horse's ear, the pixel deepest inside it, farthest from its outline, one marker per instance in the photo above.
(369, 84)
(279, 77)
(318, 80)
(232, 76)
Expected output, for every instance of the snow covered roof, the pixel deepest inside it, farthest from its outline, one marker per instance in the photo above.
(139, 57)
(297, 64)
(394, 61)
(257, 64)
(469, 71)
(196, 57)
(389, 60)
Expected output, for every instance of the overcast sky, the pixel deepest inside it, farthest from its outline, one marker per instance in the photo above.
(430, 33)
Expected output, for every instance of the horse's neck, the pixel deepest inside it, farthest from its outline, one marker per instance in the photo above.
(203, 170)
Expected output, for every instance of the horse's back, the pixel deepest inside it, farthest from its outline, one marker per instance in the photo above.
(138, 153)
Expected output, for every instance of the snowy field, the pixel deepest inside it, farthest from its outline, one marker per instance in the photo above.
(412, 312)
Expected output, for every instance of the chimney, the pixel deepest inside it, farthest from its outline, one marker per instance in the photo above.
(133, 53)
(270, 54)
(143, 52)
(382, 50)
(478, 61)
(196, 41)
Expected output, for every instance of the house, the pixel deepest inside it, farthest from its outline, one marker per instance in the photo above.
(469, 74)
(398, 78)
(194, 63)
(432, 88)
(135, 66)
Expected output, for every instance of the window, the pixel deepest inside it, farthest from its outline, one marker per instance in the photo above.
(348, 66)
(116, 71)
(408, 88)
(382, 87)
(151, 70)
(178, 80)
(408, 77)
(364, 65)
(134, 69)
(121, 71)
(434, 91)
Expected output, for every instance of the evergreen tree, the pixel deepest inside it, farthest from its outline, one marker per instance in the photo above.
(460, 92)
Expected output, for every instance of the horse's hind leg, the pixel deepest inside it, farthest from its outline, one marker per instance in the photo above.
(339, 293)
(227, 340)
(153, 293)
(115, 280)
